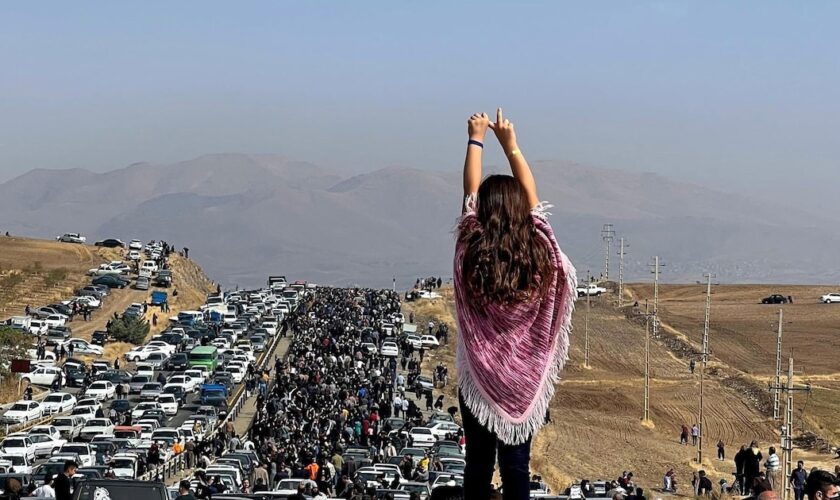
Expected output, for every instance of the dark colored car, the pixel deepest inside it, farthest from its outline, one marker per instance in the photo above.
(111, 281)
(110, 243)
(74, 377)
(99, 337)
(224, 378)
(115, 376)
(178, 362)
(178, 392)
(122, 489)
(775, 299)
(164, 278)
(155, 414)
(121, 405)
(62, 308)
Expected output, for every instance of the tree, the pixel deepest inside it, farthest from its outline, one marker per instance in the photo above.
(13, 345)
(132, 329)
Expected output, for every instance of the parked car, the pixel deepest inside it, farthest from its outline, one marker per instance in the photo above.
(100, 390)
(81, 346)
(99, 337)
(71, 238)
(44, 375)
(58, 402)
(45, 444)
(830, 298)
(775, 299)
(390, 350)
(142, 283)
(23, 411)
(111, 281)
(110, 243)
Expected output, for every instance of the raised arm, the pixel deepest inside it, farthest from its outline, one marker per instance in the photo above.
(518, 166)
(476, 128)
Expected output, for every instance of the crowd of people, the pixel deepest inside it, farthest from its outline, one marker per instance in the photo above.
(330, 393)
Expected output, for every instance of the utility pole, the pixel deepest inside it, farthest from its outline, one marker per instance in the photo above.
(607, 234)
(704, 358)
(777, 378)
(586, 323)
(621, 254)
(656, 265)
(646, 417)
(787, 427)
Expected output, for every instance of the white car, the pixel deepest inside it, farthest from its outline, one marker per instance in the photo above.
(142, 352)
(134, 255)
(57, 402)
(44, 375)
(86, 453)
(441, 429)
(84, 413)
(55, 320)
(830, 298)
(68, 427)
(196, 375)
(18, 444)
(185, 382)
(390, 350)
(148, 267)
(81, 346)
(45, 444)
(135, 245)
(290, 486)
(38, 327)
(421, 437)
(237, 373)
(23, 411)
(168, 403)
(48, 430)
(71, 238)
(105, 269)
(169, 349)
(96, 427)
(100, 390)
(592, 290)
(139, 408)
(124, 465)
(414, 341)
(89, 301)
(20, 464)
(429, 342)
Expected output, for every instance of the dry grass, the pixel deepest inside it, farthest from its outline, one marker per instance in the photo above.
(597, 429)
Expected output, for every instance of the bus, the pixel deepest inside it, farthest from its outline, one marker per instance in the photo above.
(204, 356)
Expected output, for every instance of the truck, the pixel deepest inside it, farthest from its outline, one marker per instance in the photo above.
(159, 298)
(214, 395)
(591, 290)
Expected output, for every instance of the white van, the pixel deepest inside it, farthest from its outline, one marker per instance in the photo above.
(148, 267)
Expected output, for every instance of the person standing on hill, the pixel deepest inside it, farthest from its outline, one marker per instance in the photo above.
(514, 293)
(773, 469)
(684, 434)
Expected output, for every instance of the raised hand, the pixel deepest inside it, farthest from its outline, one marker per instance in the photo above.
(477, 126)
(504, 131)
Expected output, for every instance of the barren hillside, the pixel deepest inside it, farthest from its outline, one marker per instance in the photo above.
(596, 430)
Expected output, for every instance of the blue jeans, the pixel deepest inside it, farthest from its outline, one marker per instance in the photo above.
(482, 446)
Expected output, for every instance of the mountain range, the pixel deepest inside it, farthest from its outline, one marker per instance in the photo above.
(246, 216)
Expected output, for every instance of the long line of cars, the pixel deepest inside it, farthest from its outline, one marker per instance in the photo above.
(177, 387)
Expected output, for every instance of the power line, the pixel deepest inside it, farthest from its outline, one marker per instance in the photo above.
(607, 234)
(787, 426)
(656, 265)
(704, 358)
(621, 253)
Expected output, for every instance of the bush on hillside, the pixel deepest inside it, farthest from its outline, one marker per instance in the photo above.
(12, 346)
(55, 276)
(129, 329)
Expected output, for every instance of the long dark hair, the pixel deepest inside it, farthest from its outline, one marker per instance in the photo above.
(504, 261)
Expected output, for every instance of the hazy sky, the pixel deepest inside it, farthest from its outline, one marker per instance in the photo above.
(739, 95)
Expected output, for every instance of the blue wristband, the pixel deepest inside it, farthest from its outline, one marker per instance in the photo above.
(475, 143)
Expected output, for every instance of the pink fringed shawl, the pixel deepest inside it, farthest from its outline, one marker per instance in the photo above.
(509, 357)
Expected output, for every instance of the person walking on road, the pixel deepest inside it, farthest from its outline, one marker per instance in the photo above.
(506, 308)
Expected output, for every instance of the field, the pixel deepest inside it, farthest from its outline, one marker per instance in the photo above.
(597, 429)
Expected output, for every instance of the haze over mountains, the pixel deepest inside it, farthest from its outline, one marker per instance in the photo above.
(246, 216)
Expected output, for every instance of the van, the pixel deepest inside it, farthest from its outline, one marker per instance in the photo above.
(147, 268)
(21, 322)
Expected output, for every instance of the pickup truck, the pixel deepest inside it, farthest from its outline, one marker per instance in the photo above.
(592, 290)
(214, 395)
(159, 298)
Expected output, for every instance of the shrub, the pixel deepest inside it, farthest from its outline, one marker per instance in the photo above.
(129, 329)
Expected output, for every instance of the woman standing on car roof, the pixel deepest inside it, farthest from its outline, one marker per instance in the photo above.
(514, 293)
